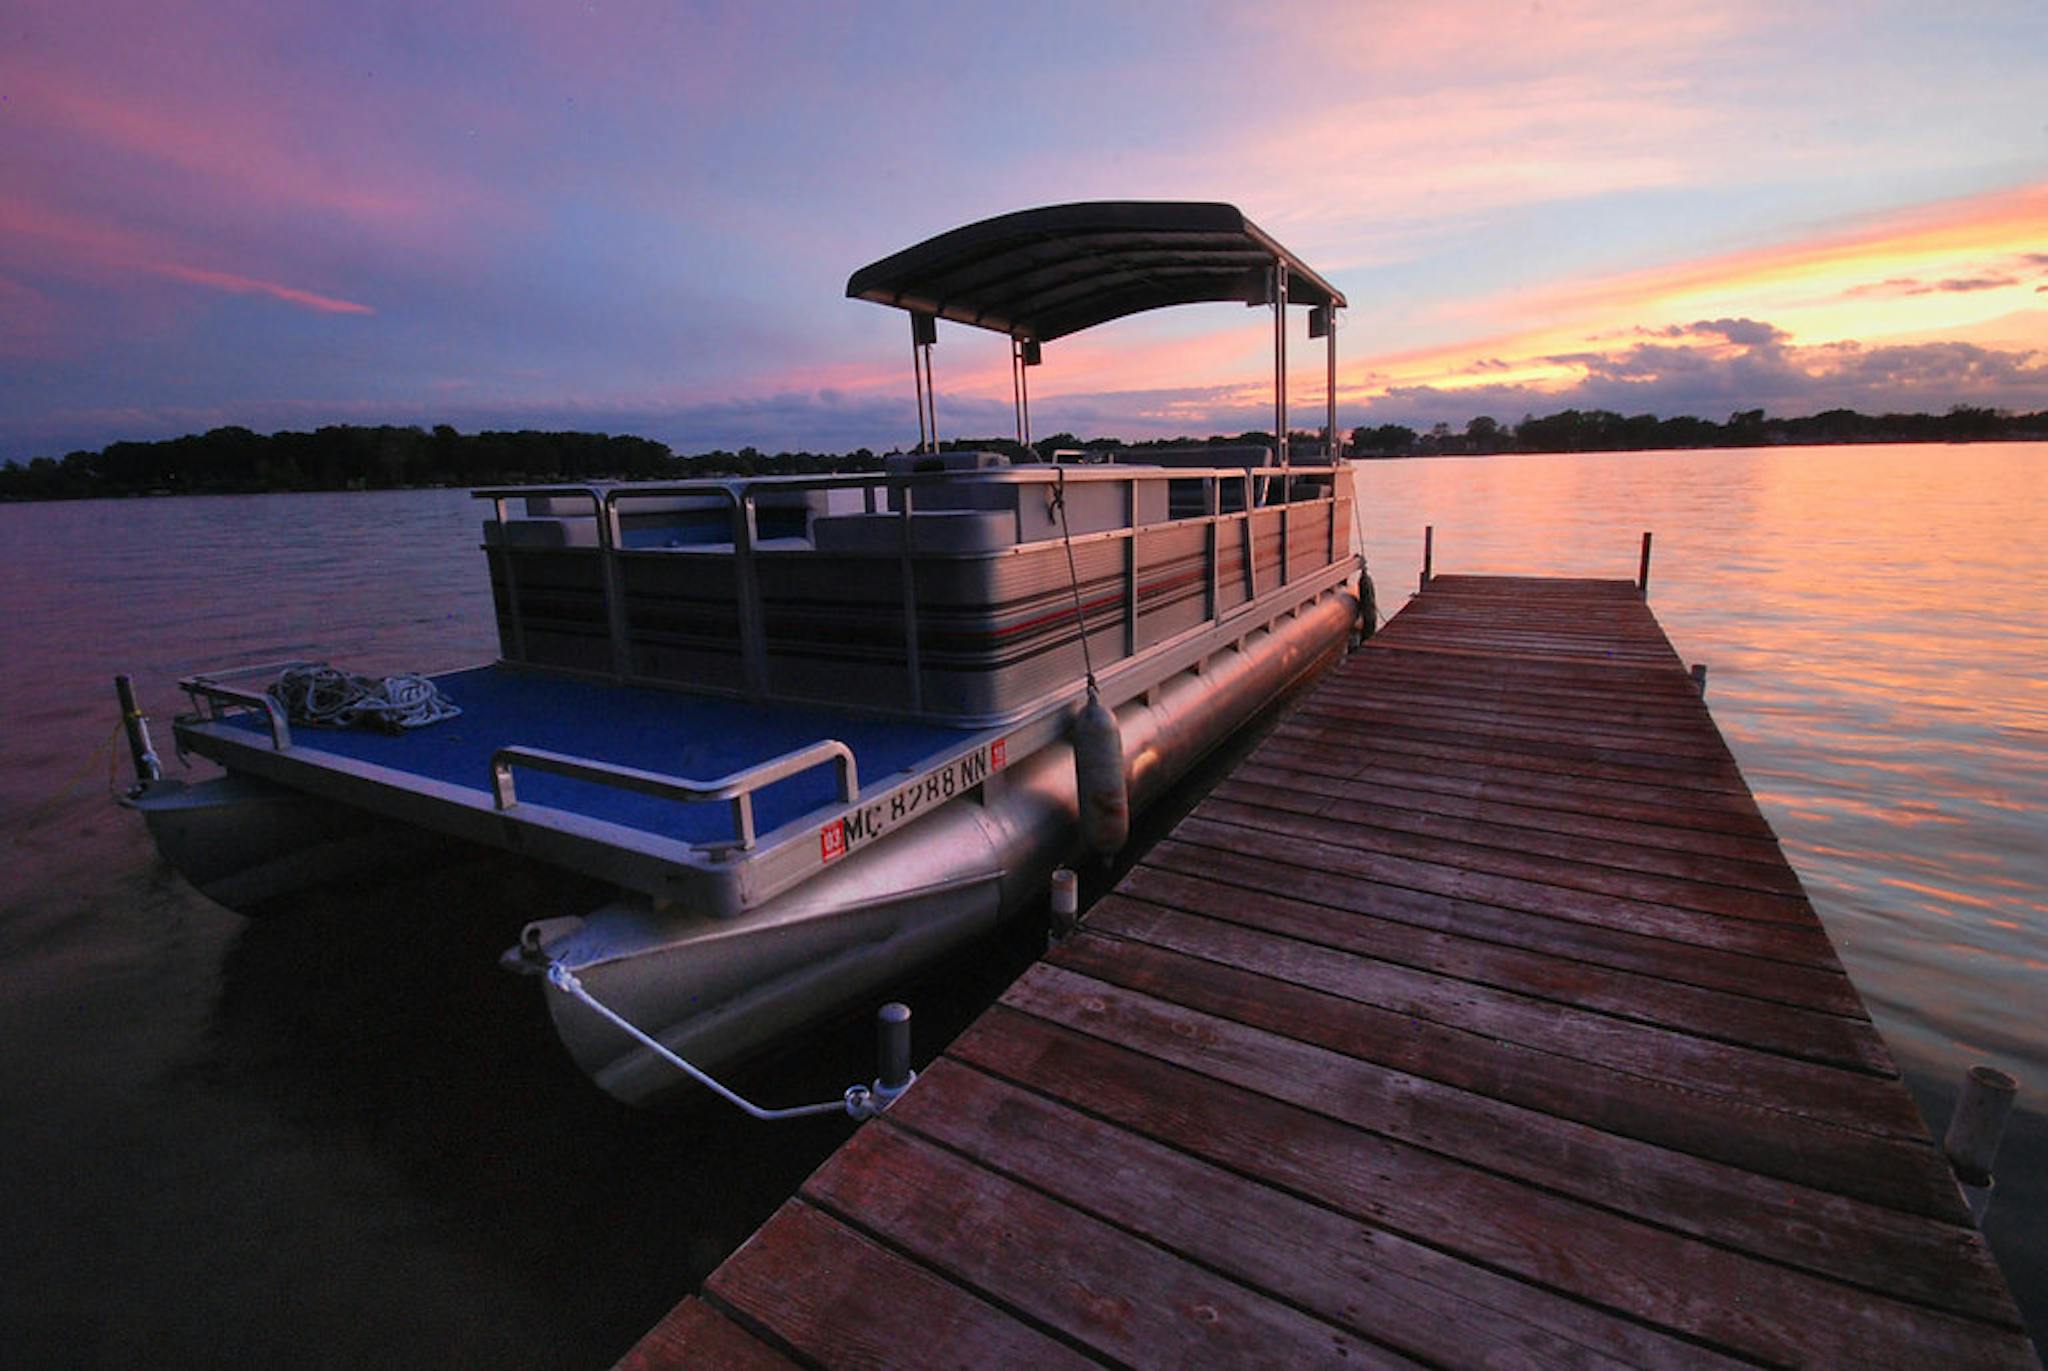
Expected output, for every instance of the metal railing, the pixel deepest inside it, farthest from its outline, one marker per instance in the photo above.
(208, 686)
(737, 788)
(895, 493)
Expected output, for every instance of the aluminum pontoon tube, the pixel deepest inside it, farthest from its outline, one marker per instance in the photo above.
(713, 989)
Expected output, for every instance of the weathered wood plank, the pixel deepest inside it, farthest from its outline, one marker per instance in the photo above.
(1732, 1302)
(1412, 1297)
(1663, 717)
(1611, 746)
(695, 1335)
(1304, 749)
(1685, 861)
(1664, 828)
(1762, 1079)
(1718, 791)
(1829, 1038)
(1452, 1109)
(1553, 705)
(1653, 952)
(1581, 878)
(1277, 838)
(1892, 1199)
(1099, 1286)
(835, 1297)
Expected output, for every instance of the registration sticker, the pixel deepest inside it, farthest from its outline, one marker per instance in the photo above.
(870, 821)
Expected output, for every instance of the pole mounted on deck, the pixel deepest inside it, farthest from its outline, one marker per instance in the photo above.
(924, 332)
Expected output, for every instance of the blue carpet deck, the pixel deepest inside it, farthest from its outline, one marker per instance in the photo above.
(694, 736)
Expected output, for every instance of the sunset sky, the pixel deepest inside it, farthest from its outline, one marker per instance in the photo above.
(640, 217)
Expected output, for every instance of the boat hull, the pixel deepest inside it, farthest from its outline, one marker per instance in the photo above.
(247, 843)
(712, 989)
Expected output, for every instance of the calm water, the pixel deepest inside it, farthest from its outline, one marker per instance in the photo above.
(344, 1138)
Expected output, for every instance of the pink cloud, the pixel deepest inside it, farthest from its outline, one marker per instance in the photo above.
(60, 241)
(210, 137)
(243, 285)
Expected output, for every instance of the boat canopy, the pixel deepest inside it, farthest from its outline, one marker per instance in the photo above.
(1040, 274)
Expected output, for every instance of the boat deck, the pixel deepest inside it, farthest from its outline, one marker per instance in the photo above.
(665, 731)
(1475, 1018)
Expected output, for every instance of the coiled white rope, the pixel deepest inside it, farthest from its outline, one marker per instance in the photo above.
(323, 696)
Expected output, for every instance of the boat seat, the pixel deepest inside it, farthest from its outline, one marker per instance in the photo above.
(931, 530)
(541, 533)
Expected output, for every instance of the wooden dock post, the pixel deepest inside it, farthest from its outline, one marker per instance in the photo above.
(1066, 903)
(1643, 572)
(1428, 549)
(1975, 1130)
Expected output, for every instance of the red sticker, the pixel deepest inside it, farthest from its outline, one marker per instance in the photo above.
(997, 752)
(832, 841)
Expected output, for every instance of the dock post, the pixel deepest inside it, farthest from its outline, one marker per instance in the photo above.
(1699, 678)
(1643, 572)
(892, 1050)
(1428, 551)
(1974, 1132)
(1066, 903)
(147, 767)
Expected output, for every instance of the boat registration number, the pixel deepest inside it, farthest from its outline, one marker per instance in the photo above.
(865, 823)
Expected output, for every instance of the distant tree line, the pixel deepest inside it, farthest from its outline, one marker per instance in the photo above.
(351, 457)
(383, 457)
(1600, 430)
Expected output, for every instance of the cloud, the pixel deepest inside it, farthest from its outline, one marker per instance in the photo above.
(71, 243)
(1954, 285)
(1747, 332)
(1711, 381)
(244, 285)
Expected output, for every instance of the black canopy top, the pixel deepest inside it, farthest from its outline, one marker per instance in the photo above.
(1045, 273)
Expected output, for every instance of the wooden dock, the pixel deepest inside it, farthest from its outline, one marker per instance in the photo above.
(1475, 1019)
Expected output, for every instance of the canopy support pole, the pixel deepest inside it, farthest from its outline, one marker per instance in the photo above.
(1330, 383)
(924, 329)
(1017, 389)
(1280, 362)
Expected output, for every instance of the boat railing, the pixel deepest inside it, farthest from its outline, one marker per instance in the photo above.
(212, 687)
(1298, 494)
(738, 788)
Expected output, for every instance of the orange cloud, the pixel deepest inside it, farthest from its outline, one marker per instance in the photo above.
(1931, 271)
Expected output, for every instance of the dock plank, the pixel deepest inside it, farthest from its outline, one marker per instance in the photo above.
(1117, 1295)
(835, 1297)
(1417, 1299)
(1734, 1303)
(1476, 1018)
(695, 1334)
(1834, 1038)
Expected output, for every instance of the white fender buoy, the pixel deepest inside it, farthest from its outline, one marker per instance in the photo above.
(1099, 778)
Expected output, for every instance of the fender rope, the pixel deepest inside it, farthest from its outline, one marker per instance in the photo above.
(859, 1101)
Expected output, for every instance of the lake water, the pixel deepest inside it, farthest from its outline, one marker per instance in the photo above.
(344, 1138)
